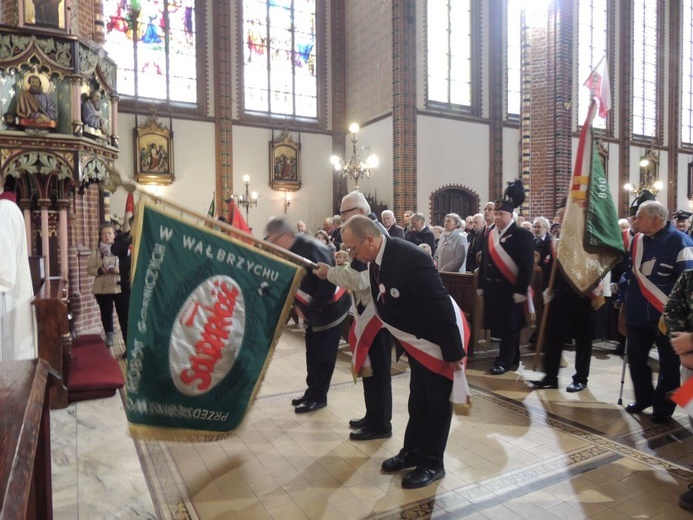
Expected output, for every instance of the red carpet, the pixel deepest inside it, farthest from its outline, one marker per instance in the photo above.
(93, 373)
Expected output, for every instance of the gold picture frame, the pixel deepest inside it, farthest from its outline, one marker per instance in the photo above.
(153, 153)
(49, 14)
(285, 163)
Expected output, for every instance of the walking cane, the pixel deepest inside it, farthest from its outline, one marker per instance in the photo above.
(623, 374)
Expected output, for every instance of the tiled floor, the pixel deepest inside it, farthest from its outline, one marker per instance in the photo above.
(520, 453)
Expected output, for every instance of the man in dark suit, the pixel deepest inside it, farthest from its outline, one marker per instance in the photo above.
(505, 272)
(323, 308)
(404, 283)
(475, 238)
(420, 233)
(388, 219)
(542, 245)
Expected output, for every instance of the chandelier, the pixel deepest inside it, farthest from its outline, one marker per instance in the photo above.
(246, 200)
(649, 174)
(356, 167)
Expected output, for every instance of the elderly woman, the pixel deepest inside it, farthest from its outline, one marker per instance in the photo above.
(452, 246)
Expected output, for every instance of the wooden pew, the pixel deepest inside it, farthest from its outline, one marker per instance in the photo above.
(25, 441)
(53, 334)
(462, 288)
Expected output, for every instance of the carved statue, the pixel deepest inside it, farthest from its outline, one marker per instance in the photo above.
(91, 113)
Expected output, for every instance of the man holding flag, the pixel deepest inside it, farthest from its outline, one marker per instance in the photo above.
(590, 246)
(122, 248)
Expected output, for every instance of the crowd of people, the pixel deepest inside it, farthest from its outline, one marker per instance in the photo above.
(511, 253)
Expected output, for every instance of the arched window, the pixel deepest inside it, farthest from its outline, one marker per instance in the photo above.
(451, 63)
(513, 49)
(280, 59)
(157, 48)
(593, 23)
(687, 72)
(645, 67)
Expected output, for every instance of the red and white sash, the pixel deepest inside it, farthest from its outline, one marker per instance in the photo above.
(504, 262)
(306, 298)
(650, 291)
(363, 331)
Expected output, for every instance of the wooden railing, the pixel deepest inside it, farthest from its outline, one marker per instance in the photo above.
(25, 441)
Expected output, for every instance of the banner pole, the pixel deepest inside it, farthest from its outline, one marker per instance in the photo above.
(545, 312)
(263, 244)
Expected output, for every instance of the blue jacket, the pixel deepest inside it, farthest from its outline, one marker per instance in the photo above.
(666, 254)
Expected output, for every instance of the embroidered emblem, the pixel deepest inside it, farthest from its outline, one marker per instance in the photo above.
(394, 293)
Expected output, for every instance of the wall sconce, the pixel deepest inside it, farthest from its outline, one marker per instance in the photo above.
(246, 200)
(287, 201)
(355, 167)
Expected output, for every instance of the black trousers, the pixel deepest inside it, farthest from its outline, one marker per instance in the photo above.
(321, 356)
(430, 414)
(638, 345)
(508, 349)
(122, 306)
(377, 388)
(106, 302)
(570, 316)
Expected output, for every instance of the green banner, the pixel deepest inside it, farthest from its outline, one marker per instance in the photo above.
(205, 313)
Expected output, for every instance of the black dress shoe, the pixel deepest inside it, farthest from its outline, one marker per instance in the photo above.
(298, 400)
(367, 434)
(422, 477)
(399, 462)
(310, 406)
(497, 371)
(543, 383)
(576, 387)
(636, 407)
(357, 423)
(660, 418)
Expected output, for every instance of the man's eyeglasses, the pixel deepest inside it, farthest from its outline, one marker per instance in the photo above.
(351, 251)
(343, 211)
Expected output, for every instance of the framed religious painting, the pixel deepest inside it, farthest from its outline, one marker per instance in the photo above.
(153, 153)
(48, 14)
(285, 163)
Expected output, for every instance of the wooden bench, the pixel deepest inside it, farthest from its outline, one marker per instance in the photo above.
(25, 441)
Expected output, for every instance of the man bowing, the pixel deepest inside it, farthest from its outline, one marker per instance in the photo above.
(405, 283)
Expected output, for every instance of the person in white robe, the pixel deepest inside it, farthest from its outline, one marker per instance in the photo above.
(17, 331)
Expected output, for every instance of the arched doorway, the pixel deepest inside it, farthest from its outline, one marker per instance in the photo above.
(453, 199)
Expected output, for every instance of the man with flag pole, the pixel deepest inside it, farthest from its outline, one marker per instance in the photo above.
(404, 283)
(122, 248)
(590, 246)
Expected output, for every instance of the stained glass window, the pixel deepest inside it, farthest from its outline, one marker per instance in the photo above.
(449, 52)
(645, 67)
(153, 43)
(279, 58)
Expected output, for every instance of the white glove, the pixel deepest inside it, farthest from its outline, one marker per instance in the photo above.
(614, 287)
(547, 296)
(519, 298)
(480, 292)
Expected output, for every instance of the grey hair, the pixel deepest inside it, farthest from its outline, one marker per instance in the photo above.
(387, 212)
(418, 217)
(654, 208)
(455, 217)
(543, 222)
(278, 226)
(356, 199)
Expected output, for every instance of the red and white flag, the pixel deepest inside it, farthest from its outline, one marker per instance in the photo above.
(684, 396)
(129, 212)
(600, 87)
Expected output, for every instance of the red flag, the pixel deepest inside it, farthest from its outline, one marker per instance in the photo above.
(236, 219)
(129, 212)
(600, 87)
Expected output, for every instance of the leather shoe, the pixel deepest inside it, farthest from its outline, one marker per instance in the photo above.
(636, 407)
(660, 418)
(309, 406)
(399, 462)
(422, 477)
(576, 387)
(497, 371)
(543, 383)
(366, 434)
(357, 423)
(298, 400)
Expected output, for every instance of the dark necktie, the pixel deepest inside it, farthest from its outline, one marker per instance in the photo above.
(375, 272)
